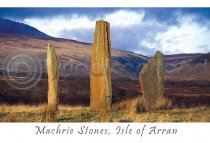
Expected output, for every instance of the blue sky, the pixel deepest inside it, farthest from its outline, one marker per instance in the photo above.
(140, 30)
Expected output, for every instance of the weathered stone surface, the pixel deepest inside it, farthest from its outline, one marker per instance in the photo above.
(53, 77)
(152, 82)
(100, 76)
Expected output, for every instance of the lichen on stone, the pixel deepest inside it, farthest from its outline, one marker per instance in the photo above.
(100, 77)
(152, 81)
(53, 78)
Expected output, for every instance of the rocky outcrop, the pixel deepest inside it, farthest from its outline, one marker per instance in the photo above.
(152, 82)
(100, 75)
(53, 77)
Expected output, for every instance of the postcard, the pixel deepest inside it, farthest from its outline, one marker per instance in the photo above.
(115, 72)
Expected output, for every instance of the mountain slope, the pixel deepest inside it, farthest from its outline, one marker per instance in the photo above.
(195, 68)
(172, 62)
(74, 57)
(12, 27)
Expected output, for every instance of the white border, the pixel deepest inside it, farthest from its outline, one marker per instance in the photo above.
(26, 133)
(105, 3)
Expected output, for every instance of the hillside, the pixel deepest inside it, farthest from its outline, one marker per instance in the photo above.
(12, 27)
(74, 57)
(195, 67)
(175, 61)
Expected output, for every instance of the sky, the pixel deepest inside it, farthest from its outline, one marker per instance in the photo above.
(140, 30)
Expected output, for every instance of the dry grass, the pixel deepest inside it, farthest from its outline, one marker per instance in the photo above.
(130, 106)
(136, 105)
(126, 111)
(163, 103)
(21, 108)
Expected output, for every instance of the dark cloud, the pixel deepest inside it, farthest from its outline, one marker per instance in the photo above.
(21, 13)
(166, 15)
(161, 14)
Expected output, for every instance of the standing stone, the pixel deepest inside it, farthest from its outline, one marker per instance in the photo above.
(100, 76)
(152, 82)
(53, 77)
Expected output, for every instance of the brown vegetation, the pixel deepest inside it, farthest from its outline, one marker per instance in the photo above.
(29, 113)
(76, 92)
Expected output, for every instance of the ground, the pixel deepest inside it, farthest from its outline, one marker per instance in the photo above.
(32, 113)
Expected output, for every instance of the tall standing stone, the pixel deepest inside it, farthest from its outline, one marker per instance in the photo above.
(152, 82)
(53, 77)
(100, 76)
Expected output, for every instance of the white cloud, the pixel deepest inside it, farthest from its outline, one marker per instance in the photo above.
(124, 18)
(188, 36)
(55, 25)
